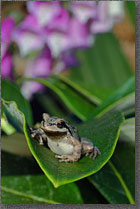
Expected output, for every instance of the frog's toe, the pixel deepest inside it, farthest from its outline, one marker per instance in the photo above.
(97, 151)
(62, 158)
(66, 158)
(58, 156)
(33, 134)
(93, 153)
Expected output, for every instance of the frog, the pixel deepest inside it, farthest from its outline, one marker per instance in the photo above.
(63, 139)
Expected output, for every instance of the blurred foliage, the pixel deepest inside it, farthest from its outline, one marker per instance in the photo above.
(131, 7)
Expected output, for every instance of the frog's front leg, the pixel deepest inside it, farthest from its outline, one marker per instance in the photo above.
(76, 152)
(39, 135)
(88, 149)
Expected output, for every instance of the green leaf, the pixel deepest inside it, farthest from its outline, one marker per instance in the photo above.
(23, 182)
(2, 113)
(79, 89)
(122, 99)
(68, 95)
(13, 165)
(116, 181)
(103, 132)
(36, 189)
(131, 8)
(10, 91)
(10, 166)
(103, 67)
(16, 144)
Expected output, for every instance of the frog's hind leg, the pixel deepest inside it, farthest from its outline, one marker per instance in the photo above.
(89, 149)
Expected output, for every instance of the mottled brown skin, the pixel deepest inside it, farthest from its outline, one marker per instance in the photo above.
(63, 139)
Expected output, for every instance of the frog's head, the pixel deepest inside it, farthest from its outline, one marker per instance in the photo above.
(54, 125)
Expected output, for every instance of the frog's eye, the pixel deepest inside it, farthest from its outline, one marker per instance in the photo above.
(61, 124)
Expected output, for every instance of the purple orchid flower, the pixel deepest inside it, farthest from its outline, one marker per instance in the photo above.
(83, 10)
(56, 33)
(44, 11)
(7, 27)
(40, 67)
(79, 36)
(6, 66)
(29, 36)
(107, 14)
(69, 59)
(66, 33)
(65, 61)
(102, 23)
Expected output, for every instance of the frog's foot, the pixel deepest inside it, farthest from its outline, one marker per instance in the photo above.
(33, 132)
(89, 149)
(93, 152)
(66, 158)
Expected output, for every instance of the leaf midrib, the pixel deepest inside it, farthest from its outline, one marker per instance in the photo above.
(127, 191)
(39, 199)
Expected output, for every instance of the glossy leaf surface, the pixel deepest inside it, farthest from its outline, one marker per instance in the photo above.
(116, 181)
(103, 132)
(24, 182)
(37, 189)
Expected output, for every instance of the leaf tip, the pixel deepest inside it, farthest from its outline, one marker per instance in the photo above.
(56, 186)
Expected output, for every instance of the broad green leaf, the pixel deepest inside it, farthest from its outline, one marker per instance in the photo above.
(36, 189)
(103, 67)
(68, 95)
(8, 198)
(103, 132)
(23, 182)
(116, 181)
(10, 166)
(10, 91)
(16, 144)
(122, 99)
